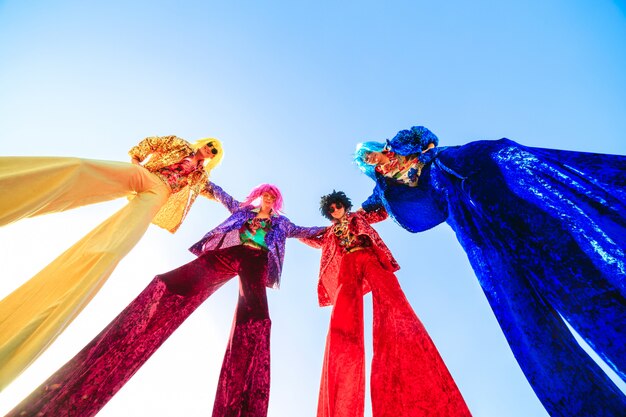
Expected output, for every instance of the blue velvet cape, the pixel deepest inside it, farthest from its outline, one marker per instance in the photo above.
(545, 232)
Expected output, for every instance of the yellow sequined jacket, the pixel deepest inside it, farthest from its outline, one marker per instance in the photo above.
(159, 152)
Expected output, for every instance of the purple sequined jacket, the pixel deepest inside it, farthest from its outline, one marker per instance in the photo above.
(227, 233)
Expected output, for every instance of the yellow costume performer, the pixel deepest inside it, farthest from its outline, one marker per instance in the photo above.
(160, 191)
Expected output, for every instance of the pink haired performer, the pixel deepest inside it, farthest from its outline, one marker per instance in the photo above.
(250, 243)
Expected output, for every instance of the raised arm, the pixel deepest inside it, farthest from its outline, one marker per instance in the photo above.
(373, 202)
(175, 147)
(222, 196)
(291, 230)
(374, 216)
(143, 149)
(316, 241)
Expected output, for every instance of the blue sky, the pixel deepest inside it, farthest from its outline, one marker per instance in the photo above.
(290, 88)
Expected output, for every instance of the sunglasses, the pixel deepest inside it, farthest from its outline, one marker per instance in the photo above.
(213, 150)
(338, 206)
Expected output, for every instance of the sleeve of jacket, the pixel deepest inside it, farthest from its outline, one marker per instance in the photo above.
(373, 202)
(222, 196)
(172, 146)
(291, 230)
(144, 148)
(316, 241)
(374, 216)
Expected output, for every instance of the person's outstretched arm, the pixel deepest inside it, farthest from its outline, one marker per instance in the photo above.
(222, 196)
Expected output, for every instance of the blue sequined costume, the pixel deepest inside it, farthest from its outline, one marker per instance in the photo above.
(545, 232)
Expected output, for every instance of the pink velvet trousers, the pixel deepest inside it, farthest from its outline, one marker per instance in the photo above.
(409, 377)
(88, 381)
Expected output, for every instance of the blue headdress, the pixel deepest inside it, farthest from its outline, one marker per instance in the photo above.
(406, 142)
(362, 149)
(413, 140)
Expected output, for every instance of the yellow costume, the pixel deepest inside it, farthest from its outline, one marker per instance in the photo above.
(32, 316)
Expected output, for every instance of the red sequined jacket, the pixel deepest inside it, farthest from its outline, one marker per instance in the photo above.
(333, 253)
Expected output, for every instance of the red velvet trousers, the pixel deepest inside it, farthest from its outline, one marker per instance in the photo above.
(409, 377)
(88, 381)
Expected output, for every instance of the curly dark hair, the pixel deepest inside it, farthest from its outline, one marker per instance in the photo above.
(334, 197)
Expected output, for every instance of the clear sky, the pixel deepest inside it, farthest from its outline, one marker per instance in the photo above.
(290, 88)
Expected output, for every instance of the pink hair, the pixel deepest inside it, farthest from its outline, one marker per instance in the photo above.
(258, 192)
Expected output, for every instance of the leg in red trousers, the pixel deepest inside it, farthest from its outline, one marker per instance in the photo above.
(88, 381)
(244, 385)
(342, 390)
(409, 377)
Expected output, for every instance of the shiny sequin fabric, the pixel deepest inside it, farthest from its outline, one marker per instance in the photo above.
(333, 252)
(161, 151)
(409, 377)
(545, 232)
(168, 158)
(227, 233)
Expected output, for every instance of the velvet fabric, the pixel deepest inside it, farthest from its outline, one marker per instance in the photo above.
(88, 381)
(91, 378)
(409, 377)
(545, 232)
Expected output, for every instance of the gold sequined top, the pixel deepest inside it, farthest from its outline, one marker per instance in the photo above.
(161, 154)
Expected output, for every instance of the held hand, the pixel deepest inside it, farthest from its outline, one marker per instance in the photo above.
(429, 147)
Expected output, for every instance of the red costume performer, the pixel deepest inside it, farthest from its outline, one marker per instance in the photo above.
(409, 377)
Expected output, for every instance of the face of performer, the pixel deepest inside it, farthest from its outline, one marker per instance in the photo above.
(337, 210)
(208, 151)
(375, 158)
(267, 201)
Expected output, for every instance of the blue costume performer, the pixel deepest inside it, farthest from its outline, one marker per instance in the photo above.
(545, 232)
